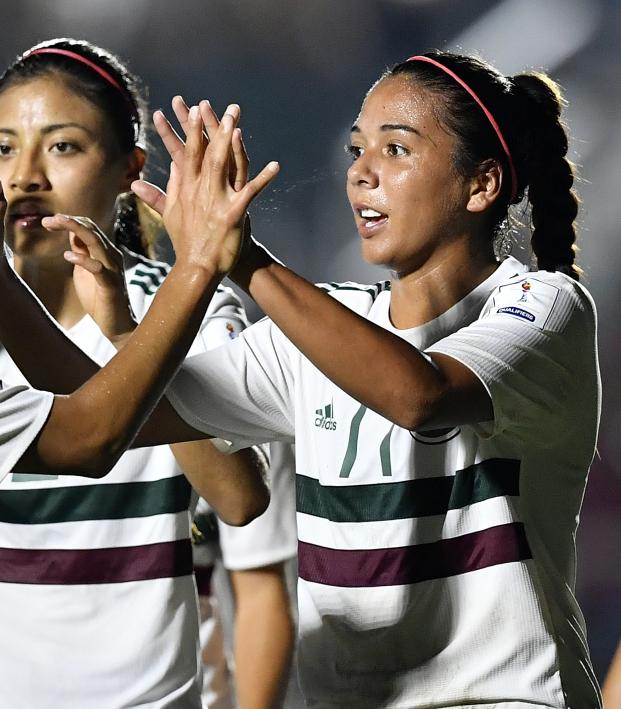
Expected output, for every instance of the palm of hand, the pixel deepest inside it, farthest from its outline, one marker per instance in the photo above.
(208, 192)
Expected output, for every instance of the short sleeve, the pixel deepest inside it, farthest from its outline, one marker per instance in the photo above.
(243, 391)
(224, 321)
(272, 537)
(224, 318)
(534, 349)
(23, 413)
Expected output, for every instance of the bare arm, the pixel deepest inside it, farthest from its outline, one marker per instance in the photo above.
(263, 636)
(67, 367)
(233, 485)
(401, 384)
(88, 430)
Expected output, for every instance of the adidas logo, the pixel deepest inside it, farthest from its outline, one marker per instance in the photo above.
(325, 418)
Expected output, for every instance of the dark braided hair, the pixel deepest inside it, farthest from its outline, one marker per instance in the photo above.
(124, 106)
(527, 108)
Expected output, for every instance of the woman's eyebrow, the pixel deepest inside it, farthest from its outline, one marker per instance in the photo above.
(400, 126)
(51, 128)
(59, 126)
(392, 126)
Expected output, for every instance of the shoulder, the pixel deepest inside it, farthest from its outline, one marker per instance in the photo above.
(357, 296)
(547, 300)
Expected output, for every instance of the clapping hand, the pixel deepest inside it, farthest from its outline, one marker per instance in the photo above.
(208, 192)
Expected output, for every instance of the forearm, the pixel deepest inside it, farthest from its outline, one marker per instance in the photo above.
(374, 366)
(263, 636)
(29, 333)
(102, 416)
(234, 485)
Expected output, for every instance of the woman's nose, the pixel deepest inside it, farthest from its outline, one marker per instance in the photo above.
(28, 174)
(362, 172)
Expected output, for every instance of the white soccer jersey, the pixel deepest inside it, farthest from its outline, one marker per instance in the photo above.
(23, 412)
(97, 598)
(436, 568)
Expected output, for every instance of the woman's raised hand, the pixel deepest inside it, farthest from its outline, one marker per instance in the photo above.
(208, 193)
(98, 275)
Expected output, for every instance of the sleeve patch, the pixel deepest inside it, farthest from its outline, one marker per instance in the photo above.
(528, 299)
(233, 329)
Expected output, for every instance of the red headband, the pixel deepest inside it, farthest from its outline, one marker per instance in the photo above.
(79, 58)
(486, 111)
(106, 76)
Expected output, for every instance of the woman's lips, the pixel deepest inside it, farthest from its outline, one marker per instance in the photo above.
(370, 221)
(27, 221)
(28, 213)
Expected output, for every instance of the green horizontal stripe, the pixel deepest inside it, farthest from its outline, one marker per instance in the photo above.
(163, 268)
(144, 286)
(412, 498)
(154, 276)
(95, 501)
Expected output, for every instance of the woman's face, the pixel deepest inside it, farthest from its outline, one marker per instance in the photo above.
(408, 201)
(57, 154)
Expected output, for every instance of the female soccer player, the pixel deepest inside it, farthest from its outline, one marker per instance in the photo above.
(444, 421)
(72, 138)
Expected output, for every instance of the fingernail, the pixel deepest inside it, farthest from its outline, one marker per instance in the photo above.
(231, 109)
(194, 113)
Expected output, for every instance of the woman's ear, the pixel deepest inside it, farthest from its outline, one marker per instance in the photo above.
(135, 163)
(485, 187)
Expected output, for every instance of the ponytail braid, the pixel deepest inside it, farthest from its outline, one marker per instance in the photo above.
(127, 230)
(542, 151)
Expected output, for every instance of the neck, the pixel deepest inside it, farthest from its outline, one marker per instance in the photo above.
(52, 282)
(443, 280)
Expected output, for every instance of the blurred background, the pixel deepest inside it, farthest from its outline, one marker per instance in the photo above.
(300, 68)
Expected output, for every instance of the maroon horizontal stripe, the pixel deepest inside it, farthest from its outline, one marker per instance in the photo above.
(422, 562)
(92, 566)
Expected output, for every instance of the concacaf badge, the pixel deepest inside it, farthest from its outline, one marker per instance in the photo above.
(526, 286)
